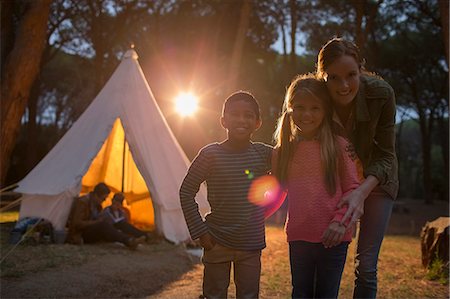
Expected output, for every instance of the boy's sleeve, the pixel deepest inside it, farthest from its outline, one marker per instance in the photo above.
(349, 178)
(195, 176)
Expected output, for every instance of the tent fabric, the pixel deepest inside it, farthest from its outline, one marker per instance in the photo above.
(48, 189)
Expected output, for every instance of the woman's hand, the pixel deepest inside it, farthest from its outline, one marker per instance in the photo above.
(355, 203)
(355, 200)
(333, 235)
(207, 241)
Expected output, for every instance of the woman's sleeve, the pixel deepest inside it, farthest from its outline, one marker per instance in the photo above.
(383, 155)
(196, 175)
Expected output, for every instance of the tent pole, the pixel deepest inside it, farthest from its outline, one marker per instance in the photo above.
(123, 161)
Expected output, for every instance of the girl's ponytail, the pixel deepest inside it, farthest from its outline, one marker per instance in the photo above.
(284, 136)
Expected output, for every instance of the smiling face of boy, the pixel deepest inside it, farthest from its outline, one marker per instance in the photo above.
(240, 120)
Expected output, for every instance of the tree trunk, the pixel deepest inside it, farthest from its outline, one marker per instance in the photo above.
(239, 45)
(443, 138)
(285, 54)
(7, 25)
(293, 9)
(443, 10)
(32, 134)
(425, 129)
(20, 69)
(359, 34)
(398, 139)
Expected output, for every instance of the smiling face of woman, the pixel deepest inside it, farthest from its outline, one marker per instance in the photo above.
(342, 80)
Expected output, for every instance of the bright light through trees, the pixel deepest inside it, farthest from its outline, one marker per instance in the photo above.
(186, 104)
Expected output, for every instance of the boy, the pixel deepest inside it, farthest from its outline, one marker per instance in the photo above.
(234, 230)
(119, 216)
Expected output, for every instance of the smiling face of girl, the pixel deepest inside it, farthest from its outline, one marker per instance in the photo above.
(307, 113)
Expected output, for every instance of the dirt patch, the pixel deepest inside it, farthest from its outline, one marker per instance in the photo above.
(92, 271)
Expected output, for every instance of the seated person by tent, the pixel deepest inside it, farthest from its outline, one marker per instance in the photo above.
(87, 225)
(118, 215)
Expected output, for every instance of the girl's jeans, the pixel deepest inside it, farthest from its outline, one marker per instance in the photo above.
(373, 224)
(216, 276)
(316, 271)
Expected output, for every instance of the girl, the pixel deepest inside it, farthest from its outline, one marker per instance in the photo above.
(364, 107)
(317, 169)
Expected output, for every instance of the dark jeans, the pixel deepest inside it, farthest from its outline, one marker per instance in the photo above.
(372, 226)
(316, 271)
(129, 229)
(104, 231)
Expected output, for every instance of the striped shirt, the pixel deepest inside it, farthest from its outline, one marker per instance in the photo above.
(233, 221)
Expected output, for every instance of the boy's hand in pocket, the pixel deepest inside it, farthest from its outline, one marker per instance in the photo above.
(207, 241)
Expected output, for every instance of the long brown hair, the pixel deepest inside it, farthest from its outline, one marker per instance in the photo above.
(286, 133)
(338, 47)
(332, 50)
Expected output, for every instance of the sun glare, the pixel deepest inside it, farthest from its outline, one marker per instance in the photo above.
(186, 104)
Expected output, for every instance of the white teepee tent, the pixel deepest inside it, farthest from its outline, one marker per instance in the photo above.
(137, 155)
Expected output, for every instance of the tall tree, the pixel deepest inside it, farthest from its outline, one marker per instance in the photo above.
(443, 10)
(18, 73)
(238, 47)
(294, 21)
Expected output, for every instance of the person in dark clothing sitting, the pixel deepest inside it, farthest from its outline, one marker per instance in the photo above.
(119, 217)
(86, 225)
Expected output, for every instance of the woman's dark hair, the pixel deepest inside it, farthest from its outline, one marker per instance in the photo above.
(332, 50)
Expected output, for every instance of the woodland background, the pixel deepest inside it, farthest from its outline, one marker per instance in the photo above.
(57, 55)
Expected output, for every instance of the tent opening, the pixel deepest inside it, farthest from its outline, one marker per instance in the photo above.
(114, 165)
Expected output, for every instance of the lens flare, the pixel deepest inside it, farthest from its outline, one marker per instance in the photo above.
(249, 174)
(266, 191)
(186, 104)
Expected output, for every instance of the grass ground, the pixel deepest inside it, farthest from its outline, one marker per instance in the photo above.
(401, 274)
(163, 270)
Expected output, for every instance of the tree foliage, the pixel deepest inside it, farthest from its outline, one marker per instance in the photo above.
(213, 47)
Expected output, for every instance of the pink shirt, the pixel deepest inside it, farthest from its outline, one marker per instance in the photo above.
(310, 208)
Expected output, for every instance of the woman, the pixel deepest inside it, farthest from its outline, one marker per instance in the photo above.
(364, 112)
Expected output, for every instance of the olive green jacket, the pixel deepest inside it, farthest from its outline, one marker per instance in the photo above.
(373, 133)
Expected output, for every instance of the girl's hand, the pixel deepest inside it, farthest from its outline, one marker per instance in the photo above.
(207, 241)
(333, 235)
(355, 202)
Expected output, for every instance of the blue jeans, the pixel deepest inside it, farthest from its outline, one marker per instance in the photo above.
(372, 226)
(316, 271)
